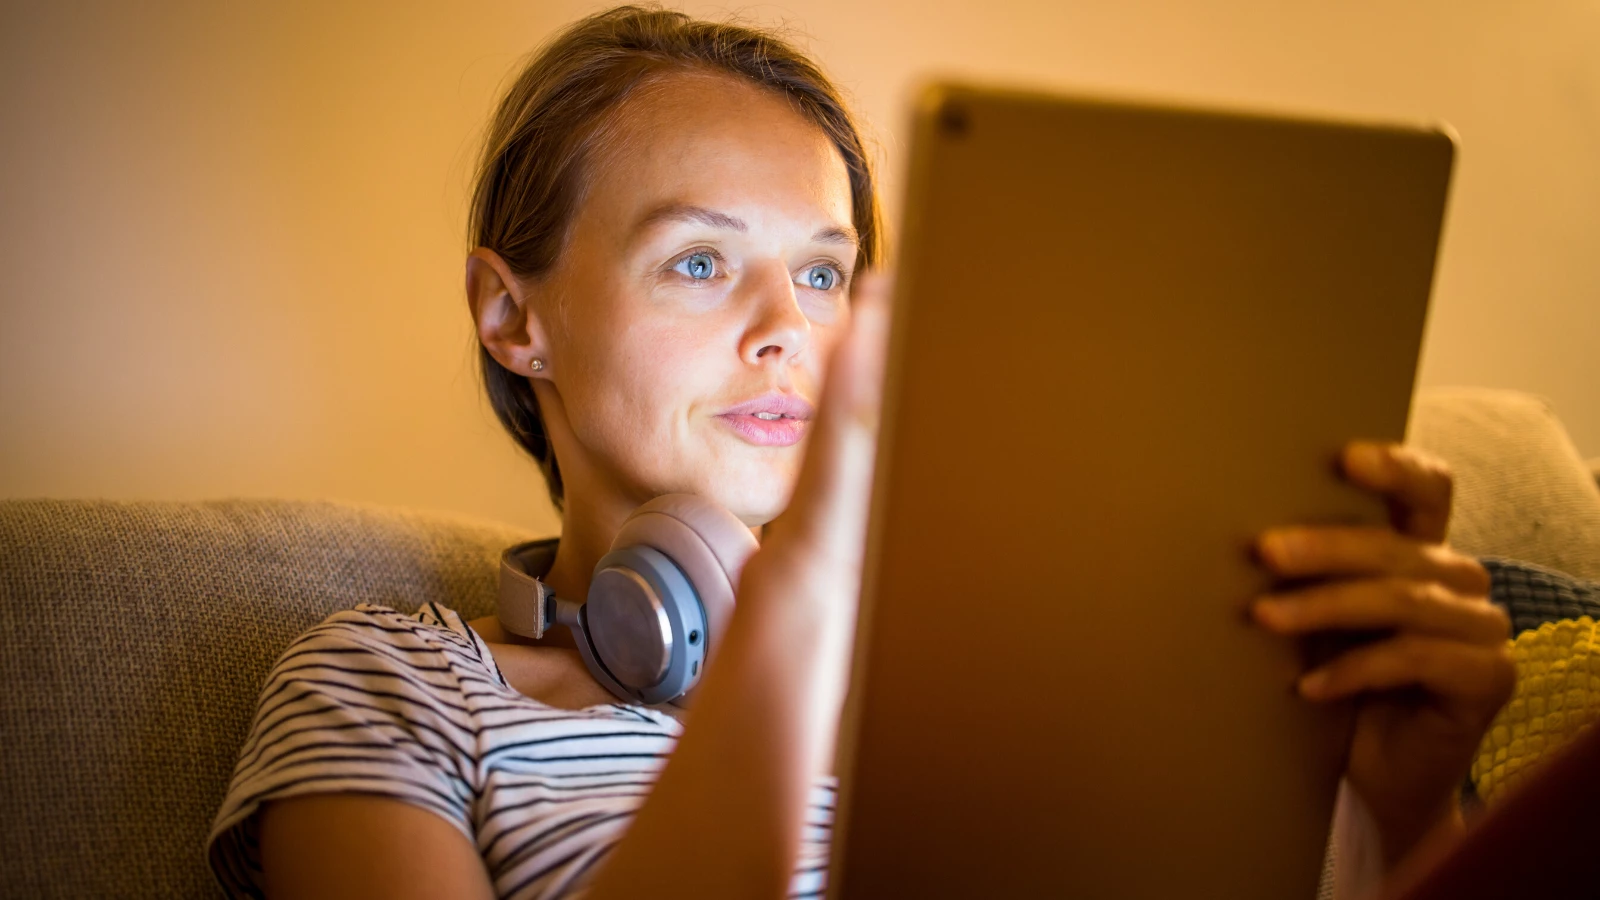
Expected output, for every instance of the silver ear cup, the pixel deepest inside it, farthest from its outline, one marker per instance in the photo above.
(707, 543)
(642, 631)
(629, 626)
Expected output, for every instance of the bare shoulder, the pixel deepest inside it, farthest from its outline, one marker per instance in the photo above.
(360, 845)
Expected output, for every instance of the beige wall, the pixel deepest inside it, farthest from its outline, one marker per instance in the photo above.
(230, 261)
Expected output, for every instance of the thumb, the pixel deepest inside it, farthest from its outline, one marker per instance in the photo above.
(827, 515)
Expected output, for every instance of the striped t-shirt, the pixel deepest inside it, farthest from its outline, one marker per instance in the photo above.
(413, 707)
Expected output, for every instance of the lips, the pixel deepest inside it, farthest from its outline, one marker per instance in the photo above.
(771, 420)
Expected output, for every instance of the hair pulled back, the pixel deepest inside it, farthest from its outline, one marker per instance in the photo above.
(547, 126)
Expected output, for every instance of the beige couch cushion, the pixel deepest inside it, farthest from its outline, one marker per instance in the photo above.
(136, 638)
(136, 635)
(1522, 489)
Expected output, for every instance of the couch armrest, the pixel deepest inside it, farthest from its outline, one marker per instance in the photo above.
(1522, 490)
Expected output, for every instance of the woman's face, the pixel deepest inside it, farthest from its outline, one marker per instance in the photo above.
(700, 292)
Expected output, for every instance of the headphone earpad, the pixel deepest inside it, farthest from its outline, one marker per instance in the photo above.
(642, 630)
(706, 541)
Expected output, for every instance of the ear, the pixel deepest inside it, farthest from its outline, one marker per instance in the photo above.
(508, 327)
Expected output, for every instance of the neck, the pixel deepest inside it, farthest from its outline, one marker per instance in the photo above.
(588, 526)
(592, 512)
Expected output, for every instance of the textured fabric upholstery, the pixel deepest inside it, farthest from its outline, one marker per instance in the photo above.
(1556, 647)
(1522, 489)
(136, 637)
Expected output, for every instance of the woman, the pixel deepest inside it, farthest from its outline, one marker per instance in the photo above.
(671, 228)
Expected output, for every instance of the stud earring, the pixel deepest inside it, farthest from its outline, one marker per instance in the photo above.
(536, 364)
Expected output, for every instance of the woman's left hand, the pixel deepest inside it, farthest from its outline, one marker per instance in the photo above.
(1428, 689)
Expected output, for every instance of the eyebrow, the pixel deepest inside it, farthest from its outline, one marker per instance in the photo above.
(687, 212)
(684, 212)
(836, 236)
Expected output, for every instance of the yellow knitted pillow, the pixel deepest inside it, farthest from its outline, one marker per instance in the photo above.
(1557, 696)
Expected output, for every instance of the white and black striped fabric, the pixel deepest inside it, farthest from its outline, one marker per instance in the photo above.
(413, 707)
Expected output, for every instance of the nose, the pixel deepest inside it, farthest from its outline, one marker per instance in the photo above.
(778, 330)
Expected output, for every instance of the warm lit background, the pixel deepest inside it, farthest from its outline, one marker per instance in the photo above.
(232, 238)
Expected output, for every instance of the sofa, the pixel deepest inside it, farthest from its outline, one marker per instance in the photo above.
(136, 634)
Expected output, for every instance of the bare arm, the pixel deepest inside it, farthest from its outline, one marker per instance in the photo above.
(357, 845)
(724, 818)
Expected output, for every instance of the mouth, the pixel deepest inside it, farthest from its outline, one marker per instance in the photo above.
(771, 420)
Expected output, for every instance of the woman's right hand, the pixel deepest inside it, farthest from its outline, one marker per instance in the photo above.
(826, 519)
(811, 556)
(766, 714)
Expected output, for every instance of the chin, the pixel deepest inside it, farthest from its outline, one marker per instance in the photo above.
(755, 497)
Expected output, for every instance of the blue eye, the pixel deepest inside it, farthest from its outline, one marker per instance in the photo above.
(821, 278)
(699, 266)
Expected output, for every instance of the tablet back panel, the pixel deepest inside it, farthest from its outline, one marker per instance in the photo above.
(1127, 338)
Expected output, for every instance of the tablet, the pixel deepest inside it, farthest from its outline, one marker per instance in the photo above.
(1127, 338)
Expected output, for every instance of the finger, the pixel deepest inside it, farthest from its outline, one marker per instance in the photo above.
(1418, 607)
(1417, 485)
(829, 506)
(1463, 674)
(1339, 550)
(866, 349)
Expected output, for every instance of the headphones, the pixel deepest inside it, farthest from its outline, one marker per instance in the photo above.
(657, 600)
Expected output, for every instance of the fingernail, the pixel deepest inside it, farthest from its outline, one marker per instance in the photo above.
(1272, 612)
(1370, 458)
(1284, 546)
(1312, 684)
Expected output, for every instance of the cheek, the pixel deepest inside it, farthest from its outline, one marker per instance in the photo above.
(641, 400)
(631, 393)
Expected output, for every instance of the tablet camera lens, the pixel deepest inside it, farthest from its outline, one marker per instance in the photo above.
(953, 120)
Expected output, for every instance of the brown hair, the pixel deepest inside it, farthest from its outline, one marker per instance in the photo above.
(545, 129)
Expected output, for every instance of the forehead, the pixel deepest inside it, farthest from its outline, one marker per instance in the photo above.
(713, 141)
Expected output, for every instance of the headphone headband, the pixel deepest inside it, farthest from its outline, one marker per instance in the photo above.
(526, 606)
